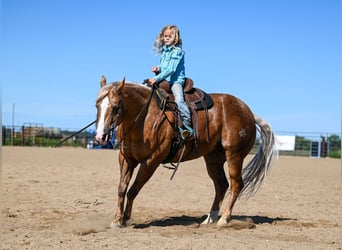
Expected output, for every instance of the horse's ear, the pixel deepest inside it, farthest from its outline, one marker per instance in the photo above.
(103, 81)
(121, 85)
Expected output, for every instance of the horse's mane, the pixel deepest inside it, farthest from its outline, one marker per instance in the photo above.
(105, 89)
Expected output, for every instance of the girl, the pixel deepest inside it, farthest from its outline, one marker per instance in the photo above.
(171, 68)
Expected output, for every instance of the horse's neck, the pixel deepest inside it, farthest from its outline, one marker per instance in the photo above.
(135, 100)
(134, 111)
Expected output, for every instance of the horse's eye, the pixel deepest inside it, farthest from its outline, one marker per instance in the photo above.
(116, 110)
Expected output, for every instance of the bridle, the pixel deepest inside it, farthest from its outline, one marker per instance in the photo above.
(117, 111)
(110, 130)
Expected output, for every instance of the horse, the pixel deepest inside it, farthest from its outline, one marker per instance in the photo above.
(145, 135)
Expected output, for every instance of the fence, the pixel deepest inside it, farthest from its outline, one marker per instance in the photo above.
(38, 135)
(313, 144)
(305, 144)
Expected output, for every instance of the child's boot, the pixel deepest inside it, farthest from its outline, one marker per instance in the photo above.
(186, 130)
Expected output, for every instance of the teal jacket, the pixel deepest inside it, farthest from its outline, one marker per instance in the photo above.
(171, 67)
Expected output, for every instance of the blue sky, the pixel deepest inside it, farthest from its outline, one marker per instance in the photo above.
(282, 57)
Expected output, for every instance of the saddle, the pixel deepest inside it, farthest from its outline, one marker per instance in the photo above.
(195, 98)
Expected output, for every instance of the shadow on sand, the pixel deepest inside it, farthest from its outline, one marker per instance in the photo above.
(185, 220)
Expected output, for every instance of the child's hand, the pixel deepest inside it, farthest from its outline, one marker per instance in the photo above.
(155, 69)
(151, 81)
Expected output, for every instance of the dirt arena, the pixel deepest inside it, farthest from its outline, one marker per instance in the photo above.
(64, 198)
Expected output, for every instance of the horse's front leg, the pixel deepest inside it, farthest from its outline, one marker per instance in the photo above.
(145, 172)
(126, 171)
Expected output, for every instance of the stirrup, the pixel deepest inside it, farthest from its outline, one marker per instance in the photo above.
(185, 134)
(186, 130)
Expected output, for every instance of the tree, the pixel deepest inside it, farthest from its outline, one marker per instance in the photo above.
(334, 142)
(302, 143)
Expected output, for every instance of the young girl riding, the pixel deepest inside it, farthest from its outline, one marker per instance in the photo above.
(171, 68)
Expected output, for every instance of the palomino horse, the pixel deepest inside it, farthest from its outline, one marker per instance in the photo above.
(232, 130)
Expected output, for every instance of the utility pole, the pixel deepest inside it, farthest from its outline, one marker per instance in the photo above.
(12, 134)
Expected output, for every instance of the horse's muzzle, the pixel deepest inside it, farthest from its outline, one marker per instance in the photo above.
(106, 135)
(103, 140)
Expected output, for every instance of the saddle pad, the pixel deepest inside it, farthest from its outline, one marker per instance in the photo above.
(196, 98)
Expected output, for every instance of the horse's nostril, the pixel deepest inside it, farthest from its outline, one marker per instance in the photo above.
(96, 142)
(104, 137)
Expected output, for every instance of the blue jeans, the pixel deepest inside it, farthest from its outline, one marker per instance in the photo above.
(177, 90)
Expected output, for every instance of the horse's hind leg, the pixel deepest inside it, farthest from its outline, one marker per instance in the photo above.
(215, 163)
(236, 185)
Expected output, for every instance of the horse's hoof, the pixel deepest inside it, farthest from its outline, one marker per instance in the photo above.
(115, 225)
(222, 221)
(207, 221)
(211, 218)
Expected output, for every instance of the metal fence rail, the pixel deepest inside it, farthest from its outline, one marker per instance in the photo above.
(306, 144)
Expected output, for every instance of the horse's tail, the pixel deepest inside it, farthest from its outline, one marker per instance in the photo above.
(254, 173)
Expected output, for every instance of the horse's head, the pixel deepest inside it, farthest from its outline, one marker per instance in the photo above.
(109, 110)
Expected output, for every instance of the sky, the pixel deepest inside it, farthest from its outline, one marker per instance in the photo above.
(281, 57)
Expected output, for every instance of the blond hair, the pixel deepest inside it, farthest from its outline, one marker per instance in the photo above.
(159, 42)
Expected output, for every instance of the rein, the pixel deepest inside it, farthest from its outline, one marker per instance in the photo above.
(76, 133)
(114, 125)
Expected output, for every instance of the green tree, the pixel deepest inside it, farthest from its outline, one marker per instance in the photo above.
(334, 142)
(302, 143)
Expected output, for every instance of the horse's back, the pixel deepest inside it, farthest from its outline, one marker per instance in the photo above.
(231, 107)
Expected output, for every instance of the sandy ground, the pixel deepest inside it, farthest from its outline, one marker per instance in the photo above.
(65, 198)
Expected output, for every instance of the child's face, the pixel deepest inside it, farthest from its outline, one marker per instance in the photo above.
(168, 37)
